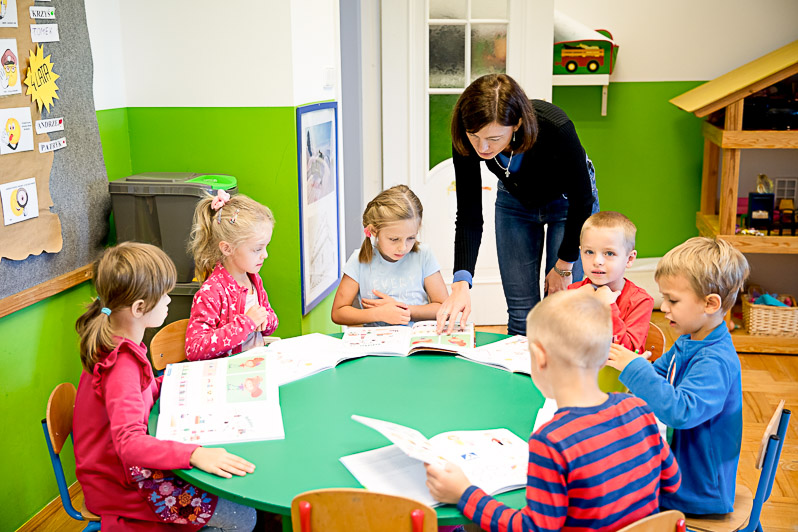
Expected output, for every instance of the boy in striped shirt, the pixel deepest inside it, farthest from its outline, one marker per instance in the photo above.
(600, 463)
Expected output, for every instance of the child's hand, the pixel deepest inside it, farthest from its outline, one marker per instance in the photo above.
(383, 299)
(397, 314)
(220, 462)
(620, 357)
(606, 295)
(259, 315)
(446, 483)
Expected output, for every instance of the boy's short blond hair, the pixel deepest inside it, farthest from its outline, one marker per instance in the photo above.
(573, 326)
(612, 220)
(711, 266)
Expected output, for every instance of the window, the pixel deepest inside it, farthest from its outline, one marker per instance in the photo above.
(786, 188)
(466, 39)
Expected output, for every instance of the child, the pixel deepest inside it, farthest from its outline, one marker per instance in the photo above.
(125, 473)
(396, 280)
(695, 387)
(600, 463)
(231, 312)
(607, 248)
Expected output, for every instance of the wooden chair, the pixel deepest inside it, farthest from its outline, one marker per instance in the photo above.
(169, 345)
(655, 342)
(748, 508)
(670, 521)
(343, 510)
(57, 426)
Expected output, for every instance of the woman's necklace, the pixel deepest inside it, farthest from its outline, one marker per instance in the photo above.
(506, 170)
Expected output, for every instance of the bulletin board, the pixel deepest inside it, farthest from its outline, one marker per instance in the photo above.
(53, 184)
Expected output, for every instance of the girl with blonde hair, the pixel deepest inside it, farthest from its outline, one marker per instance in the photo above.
(231, 311)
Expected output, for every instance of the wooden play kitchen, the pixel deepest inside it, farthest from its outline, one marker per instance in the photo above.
(722, 149)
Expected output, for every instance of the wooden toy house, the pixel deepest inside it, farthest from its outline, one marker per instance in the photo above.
(722, 101)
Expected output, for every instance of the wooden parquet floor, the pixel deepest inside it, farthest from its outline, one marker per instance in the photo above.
(766, 380)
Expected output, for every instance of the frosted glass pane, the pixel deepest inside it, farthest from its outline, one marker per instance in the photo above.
(488, 49)
(488, 8)
(447, 9)
(440, 119)
(446, 56)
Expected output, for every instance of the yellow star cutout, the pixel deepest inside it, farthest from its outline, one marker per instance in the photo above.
(40, 79)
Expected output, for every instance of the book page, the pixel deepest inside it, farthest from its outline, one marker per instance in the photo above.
(386, 341)
(496, 460)
(425, 337)
(296, 358)
(224, 400)
(511, 354)
(410, 441)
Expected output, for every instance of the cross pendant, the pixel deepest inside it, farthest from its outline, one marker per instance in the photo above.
(507, 173)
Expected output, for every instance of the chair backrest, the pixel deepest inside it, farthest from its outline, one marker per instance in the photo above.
(670, 521)
(771, 429)
(655, 342)
(60, 408)
(169, 344)
(342, 509)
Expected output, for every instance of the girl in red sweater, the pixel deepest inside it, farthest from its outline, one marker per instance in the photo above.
(125, 473)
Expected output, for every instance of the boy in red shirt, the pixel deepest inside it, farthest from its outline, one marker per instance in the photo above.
(607, 247)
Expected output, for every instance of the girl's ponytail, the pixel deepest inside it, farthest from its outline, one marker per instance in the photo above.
(94, 328)
(366, 251)
(201, 242)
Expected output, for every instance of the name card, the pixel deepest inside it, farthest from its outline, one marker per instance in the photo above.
(42, 12)
(44, 32)
(52, 145)
(48, 125)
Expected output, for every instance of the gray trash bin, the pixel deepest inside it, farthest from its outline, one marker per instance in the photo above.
(157, 208)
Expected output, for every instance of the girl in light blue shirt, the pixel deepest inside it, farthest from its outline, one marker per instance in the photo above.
(393, 279)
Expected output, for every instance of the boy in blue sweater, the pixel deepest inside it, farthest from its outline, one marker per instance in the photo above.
(695, 387)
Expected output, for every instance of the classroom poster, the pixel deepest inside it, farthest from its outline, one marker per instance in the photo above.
(8, 14)
(20, 201)
(10, 82)
(16, 130)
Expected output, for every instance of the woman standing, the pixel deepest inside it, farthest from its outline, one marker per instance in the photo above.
(545, 179)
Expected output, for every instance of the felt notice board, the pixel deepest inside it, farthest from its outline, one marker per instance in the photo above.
(70, 183)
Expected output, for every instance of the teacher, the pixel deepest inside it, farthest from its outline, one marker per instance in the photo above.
(545, 179)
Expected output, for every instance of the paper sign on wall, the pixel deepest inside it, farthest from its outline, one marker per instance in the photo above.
(10, 74)
(52, 145)
(43, 32)
(20, 201)
(8, 14)
(48, 125)
(16, 130)
(42, 12)
(41, 79)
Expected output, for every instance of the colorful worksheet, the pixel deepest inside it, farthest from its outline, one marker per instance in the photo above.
(225, 400)
(493, 459)
(511, 354)
(403, 341)
(300, 357)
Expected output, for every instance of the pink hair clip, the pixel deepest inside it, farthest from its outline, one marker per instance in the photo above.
(219, 201)
(367, 232)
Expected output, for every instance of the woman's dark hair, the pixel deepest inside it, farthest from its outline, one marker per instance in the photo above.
(494, 98)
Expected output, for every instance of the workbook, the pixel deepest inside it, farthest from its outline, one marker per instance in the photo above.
(402, 341)
(300, 357)
(494, 459)
(225, 400)
(511, 354)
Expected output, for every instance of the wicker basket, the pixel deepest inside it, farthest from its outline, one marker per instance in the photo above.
(770, 320)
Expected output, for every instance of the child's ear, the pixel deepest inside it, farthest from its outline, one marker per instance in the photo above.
(712, 303)
(137, 308)
(540, 359)
(226, 248)
(631, 258)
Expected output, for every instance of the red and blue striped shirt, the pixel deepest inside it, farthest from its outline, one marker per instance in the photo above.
(590, 469)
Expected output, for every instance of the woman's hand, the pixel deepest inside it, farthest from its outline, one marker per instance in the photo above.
(446, 482)
(555, 282)
(458, 302)
(219, 462)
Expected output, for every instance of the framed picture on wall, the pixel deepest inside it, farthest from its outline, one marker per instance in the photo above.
(319, 219)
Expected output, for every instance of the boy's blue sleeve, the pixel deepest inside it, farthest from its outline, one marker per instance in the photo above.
(662, 363)
(699, 395)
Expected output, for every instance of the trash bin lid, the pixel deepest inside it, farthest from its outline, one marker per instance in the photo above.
(216, 181)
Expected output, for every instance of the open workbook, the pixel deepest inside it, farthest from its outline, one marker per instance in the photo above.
(493, 459)
(225, 400)
(511, 354)
(402, 341)
(296, 358)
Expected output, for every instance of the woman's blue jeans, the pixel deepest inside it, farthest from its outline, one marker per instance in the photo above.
(519, 245)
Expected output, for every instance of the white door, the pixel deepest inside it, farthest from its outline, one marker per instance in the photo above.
(431, 50)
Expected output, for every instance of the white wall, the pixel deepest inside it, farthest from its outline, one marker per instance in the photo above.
(204, 53)
(687, 40)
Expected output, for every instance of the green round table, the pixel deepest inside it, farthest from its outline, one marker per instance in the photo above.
(430, 393)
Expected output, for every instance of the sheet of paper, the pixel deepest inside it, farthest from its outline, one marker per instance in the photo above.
(225, 400)
(511, 354)
(8, 14)
(296, 358)
(52, 145)
(17, 130)
(410, 441)
(10, 69)
(48, 125)
(43, 12)
(545, 414)
(44, 32)
(20, 200)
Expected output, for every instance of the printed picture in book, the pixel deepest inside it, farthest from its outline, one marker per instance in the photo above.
(244, 380)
